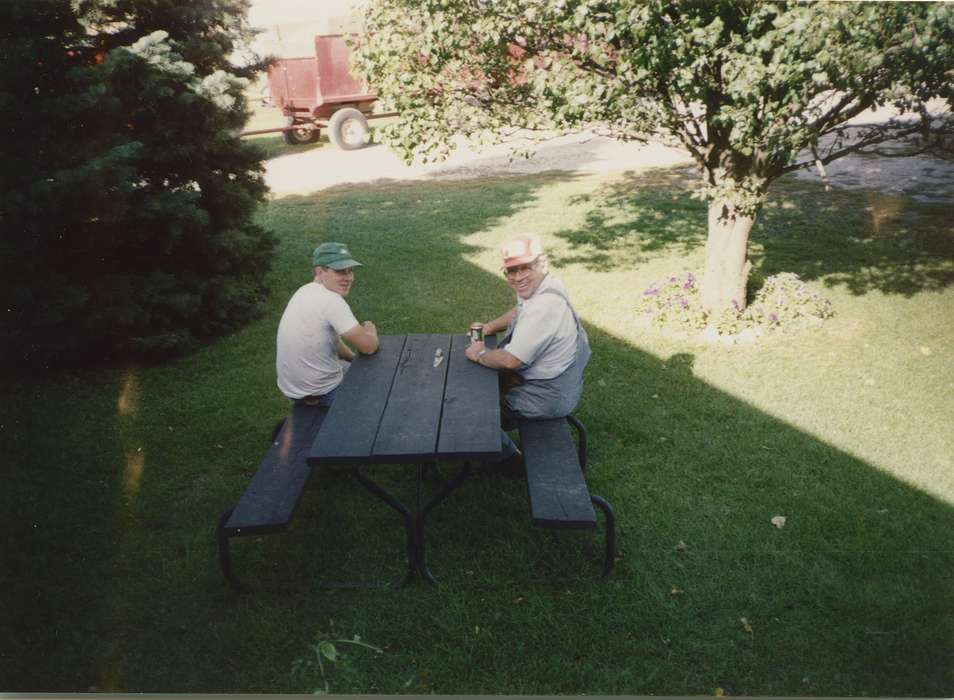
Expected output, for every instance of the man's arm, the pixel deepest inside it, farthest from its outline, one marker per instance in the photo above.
(364, 338)
(344, 352)
(495, 359)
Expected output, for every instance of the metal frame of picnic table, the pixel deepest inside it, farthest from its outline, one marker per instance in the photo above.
(417, 401)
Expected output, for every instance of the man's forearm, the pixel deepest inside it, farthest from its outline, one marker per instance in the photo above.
(344, 352)
(363, 337)
(497, 359)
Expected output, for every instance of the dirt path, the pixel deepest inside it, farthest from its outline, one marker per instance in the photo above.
(925, 178)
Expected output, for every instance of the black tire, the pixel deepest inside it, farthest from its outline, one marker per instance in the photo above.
(300, 136)
(348, 129)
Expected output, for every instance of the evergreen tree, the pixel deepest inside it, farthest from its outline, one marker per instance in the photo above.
(126, 201)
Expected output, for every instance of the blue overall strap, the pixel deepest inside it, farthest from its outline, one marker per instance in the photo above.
(563, 296)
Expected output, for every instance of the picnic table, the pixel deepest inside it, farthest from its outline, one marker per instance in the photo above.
(417, 401)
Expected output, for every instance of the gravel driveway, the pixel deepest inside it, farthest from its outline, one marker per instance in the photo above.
(923, 177)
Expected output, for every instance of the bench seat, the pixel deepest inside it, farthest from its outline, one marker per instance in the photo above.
(556, 487)
(269, 503)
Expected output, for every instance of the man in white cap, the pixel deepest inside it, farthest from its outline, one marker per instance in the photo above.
(544, 345)
(311, 357)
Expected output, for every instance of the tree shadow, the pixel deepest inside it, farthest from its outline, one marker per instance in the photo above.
(860, 239)
(647, 213)
(850, 597)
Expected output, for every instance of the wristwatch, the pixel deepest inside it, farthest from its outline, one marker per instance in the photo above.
(481, 354)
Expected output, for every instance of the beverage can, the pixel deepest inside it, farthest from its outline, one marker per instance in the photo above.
(476, 332)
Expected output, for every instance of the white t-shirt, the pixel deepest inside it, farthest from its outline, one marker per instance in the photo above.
(307, 361)
(544, 337)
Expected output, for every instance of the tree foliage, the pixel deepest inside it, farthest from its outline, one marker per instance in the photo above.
(126, 201)
(752, 90)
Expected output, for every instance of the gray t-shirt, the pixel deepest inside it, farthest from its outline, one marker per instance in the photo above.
(307, 361)
(544, 334)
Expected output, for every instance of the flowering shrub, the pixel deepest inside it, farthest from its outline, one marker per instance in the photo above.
(674, 303)
(783, 301)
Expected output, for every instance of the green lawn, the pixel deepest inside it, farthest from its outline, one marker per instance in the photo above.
(114, 478)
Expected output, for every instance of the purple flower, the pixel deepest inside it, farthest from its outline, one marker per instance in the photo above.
(685, 304)
(735, 305)
(651, 292)
(774, 319)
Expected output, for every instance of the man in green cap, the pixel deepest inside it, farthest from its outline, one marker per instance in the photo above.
(312, 357)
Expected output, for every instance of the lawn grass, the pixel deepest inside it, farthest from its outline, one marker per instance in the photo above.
(114, 478)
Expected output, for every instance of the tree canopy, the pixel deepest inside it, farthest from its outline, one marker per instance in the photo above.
(126, 200)
(752, 90)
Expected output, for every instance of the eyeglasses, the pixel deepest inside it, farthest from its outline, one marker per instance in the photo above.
(347, 272)
(518, 270)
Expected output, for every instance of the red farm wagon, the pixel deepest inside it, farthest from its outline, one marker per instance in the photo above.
(318, 92)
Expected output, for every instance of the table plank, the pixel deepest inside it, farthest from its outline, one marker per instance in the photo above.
(411, 421)
(348, 433)
(470, 420)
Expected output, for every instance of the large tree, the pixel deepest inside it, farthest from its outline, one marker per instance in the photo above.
(752, 90)
(126, 201)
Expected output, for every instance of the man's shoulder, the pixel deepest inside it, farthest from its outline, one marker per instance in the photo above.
(314, 290)
(551, 294)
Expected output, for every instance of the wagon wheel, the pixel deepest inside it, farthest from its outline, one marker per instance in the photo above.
(348, 129)
(305, 133)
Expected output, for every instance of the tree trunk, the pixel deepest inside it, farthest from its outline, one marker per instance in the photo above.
(727, 266)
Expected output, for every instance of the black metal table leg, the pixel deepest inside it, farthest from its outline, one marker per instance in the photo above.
(609, 557)
(422, 512)
(225, 555)
(410, 522)
(414, 522)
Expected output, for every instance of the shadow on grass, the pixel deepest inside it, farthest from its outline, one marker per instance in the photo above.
(647, 213)
(862, 240)
(117, 481)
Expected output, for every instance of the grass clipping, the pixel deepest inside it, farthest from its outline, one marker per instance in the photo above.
(783, 303)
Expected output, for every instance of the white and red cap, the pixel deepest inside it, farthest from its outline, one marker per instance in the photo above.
(521, 250)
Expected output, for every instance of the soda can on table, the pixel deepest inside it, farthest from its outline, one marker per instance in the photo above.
(476, 332)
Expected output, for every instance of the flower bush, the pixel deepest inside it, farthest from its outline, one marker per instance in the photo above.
(674, 303)
(783, 302)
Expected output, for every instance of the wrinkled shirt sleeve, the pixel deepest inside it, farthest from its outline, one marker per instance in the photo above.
(536, 327)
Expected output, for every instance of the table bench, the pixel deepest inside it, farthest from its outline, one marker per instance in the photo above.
(269, 503)
(556, 487)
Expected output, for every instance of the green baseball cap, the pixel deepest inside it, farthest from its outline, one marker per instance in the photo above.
(334, 255)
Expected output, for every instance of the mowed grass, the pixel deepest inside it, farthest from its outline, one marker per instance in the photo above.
(114, 478)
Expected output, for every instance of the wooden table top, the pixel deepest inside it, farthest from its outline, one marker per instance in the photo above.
(417, 399)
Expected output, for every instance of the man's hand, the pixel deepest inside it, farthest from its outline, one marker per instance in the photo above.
(370, 327)
(472, 350)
